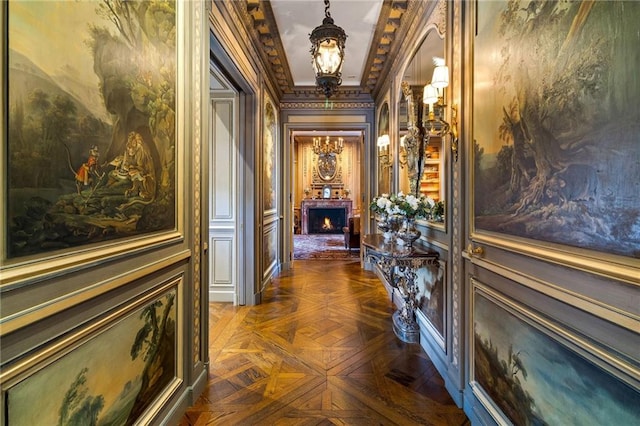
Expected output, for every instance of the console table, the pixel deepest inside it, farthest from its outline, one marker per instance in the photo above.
(399, 264)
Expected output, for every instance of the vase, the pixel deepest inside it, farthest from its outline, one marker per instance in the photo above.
(381, 221)
(409, 233)
(390, 225)
(395, 222)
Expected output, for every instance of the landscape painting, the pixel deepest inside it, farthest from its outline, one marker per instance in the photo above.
(91, 123)
(111, 379)
(269, 178)
(269, 247)
(556, 123)
(430, 281)
(536, 380)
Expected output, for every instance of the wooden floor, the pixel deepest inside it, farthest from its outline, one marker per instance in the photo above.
(319, 350)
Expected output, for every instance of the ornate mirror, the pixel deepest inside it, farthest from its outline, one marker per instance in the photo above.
(327, 166)
(421, 154)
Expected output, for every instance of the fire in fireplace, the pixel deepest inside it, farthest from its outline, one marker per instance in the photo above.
(327, 220)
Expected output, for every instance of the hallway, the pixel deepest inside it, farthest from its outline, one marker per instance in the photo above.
(319, 350)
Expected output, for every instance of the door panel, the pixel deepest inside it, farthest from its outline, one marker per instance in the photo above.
(223, 208)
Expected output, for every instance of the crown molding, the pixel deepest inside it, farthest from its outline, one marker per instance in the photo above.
(259, 22)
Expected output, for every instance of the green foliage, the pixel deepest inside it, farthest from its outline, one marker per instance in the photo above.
(77, 408)
(504, 164)
(500, 378)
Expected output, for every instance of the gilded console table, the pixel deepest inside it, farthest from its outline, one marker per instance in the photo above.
(399, 264)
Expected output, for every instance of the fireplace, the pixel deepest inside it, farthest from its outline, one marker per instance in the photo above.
(327, 220)
(336, 206)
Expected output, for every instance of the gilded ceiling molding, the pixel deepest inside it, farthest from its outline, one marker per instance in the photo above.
(384, 43)
(323, 105)
(258, 18)
(259, 22)
(415, 26)
(235, 38)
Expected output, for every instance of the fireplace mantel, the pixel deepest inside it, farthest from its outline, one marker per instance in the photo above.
(322, 204)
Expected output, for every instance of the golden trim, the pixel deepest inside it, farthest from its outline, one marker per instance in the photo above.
(602, 264)
(49, 354)
(594, 307)
(27, 271)
(23, 318)
(554, 330)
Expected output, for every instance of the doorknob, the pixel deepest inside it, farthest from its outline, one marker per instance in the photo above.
(474, 251)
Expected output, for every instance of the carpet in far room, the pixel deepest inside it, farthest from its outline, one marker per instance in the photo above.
(321, 246)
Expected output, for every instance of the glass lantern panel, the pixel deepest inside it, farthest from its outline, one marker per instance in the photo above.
(328, 60)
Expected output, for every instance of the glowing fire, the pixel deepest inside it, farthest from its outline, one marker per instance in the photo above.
(327, 225)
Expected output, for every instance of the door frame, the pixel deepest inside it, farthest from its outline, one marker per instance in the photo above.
(248, 281)
(366, 161)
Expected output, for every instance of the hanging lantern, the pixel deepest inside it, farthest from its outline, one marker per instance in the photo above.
(327, 53)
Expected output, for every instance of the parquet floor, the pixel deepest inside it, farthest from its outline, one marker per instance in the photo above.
(319, 351)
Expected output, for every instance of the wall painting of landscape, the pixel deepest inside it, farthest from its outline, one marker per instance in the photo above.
(431, 292)
(556, 123)
(535, 380)
(111, 379)
(269, 141)
(91, 123)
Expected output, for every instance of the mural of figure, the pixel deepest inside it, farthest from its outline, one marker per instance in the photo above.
(137, 163)
(269, 143)
(89, 170)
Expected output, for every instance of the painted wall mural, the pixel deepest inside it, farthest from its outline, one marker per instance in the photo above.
(269, 167)
(270, 250)
(110, 379)
(557, 123)
(91, 126)
(536, 380)
(430, 282)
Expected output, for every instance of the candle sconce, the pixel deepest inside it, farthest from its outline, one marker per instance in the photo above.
(384, 155)
(426, 119)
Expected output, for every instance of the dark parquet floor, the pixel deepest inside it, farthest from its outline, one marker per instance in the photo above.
(319, 350)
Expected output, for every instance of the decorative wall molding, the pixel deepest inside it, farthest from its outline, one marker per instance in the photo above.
(323, 105)
(197, 142)
(458, 211)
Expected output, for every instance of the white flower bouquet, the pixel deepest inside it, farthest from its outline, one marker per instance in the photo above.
(400, 204)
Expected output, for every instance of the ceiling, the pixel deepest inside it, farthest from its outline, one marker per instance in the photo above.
(281, 28)
(297, 19)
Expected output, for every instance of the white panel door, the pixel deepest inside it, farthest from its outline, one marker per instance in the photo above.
(223, 208)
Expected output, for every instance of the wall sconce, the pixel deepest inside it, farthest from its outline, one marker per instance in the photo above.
(327, 147)
(433, 96)
(384, 156)
(327, 53)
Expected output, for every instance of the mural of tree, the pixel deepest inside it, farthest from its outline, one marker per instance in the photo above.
(78, 408)
(136, 67)
(567, 97)
(501, 378)
(53, 130)
(155, 343)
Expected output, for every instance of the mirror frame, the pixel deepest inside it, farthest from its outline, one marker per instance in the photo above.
(414, 117)
(385, 171)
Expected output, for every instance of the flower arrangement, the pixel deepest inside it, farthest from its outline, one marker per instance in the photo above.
(408, 206)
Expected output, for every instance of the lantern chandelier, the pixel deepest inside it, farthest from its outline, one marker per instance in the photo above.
(327, 147)
(327, 53)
